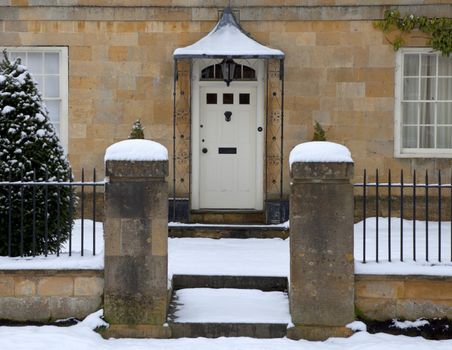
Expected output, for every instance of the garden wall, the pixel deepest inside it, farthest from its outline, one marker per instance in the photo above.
(405, 297)
(43, 295)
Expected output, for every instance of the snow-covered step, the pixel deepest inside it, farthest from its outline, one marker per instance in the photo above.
(208, 312)
(182, 230)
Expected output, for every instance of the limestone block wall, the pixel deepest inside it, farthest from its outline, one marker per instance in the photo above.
(43, 295)
(404, 297)
(339, 68)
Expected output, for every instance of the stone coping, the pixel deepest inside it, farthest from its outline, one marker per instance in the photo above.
(52, 272)
(216, 4)
(46, 10)
(401, 277)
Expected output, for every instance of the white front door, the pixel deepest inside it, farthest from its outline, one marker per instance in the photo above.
(227, 147)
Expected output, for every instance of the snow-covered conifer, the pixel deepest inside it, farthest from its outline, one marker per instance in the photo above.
(29, 150)
(137, 131)
(319, 133)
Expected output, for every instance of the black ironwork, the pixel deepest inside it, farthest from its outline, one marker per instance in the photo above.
(281, 156)
(27, 189)
(176, 77)
(389, 215)
(228, 70)
(372, 194)
(401, 215)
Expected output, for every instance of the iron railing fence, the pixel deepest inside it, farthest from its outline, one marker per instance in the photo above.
(20, 204)
(407, 219)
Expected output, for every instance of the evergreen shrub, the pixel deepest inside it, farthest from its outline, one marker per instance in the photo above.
(30, 151)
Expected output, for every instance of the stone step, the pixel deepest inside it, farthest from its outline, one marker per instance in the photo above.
(228, 217)
(216, 330)
(264, 283)
(228, 312)
(177, 230)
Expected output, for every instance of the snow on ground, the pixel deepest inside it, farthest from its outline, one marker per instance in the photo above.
(136, 149)
(246, 257)
(64, 261)
(191, 225)
(408, 266)
(320, 151)
(356, 326)
(82, 337)
(231, 305)
(265, 257)
(409, 324)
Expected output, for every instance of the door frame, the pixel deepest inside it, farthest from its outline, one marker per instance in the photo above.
(196, 84)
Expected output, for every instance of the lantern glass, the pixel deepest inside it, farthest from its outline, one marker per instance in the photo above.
(228, 69)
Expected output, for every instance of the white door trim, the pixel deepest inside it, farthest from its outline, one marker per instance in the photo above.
(198, 65)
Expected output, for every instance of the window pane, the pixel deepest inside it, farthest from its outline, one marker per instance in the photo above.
(38, 80)
(244, 99)
(444, 113)
(411, 64)
(410, 112)
(445, 65)
(228, 99)
(249, 73)
(56, 127)
(445, 89)
(52, 86)
(411, 89)
(34, 62)
(14, 55)
(238, 72)
(444, 134)
(218, 72)
(428, 64)
(211, 99)
(427, 113)
(410, 136)
(52, 63)
(53, 106)
(426, 136)
(208, 73)
(428, 88)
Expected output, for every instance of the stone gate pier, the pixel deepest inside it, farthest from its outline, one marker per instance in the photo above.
(321, 241)
(136, 235)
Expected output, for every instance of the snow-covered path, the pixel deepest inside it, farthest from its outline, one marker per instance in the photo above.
(82, 337)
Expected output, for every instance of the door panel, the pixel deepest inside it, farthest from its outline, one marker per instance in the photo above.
(227, 148)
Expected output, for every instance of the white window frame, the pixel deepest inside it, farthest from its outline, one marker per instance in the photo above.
(64, 74)
(399, 151)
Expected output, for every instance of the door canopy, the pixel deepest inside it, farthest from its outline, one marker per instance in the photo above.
(227, 39)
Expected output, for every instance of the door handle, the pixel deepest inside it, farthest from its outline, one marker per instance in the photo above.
(227, 116)
(204, 150)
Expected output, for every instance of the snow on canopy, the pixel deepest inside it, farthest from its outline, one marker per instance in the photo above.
(227, 39)
(136, 150)
(320, 151)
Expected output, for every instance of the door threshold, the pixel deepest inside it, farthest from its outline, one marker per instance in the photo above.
(229, 216)
(226, 211)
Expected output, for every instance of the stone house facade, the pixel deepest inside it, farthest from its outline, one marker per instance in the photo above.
(103, 64)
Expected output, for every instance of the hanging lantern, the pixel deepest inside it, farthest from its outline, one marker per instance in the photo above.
(228, 69)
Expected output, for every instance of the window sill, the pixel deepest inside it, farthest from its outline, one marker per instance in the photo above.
(423, 154)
